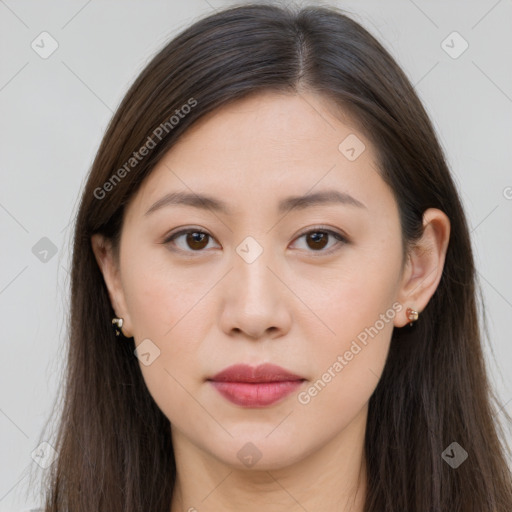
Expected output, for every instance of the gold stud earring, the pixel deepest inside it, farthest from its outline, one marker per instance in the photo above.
(119, 323)
(412, 315)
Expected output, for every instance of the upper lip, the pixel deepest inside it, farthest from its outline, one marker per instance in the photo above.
(262, 373)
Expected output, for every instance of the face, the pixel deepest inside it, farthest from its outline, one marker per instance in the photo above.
(309, 286)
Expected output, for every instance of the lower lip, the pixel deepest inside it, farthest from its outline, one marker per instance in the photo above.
(258, 394)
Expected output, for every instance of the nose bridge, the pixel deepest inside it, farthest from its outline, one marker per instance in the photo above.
(251, 269)
(254, 303)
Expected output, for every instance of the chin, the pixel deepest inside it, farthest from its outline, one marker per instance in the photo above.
(260, 453)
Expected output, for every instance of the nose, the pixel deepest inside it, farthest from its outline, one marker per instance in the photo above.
(256, 301)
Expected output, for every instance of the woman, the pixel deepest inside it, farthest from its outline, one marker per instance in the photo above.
(273, 289)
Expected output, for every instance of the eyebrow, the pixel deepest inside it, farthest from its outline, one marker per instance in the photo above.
(206, 202)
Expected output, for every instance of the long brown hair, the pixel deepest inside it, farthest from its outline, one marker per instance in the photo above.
(113, 442)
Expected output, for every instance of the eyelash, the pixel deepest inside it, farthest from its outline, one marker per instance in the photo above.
(319, 229)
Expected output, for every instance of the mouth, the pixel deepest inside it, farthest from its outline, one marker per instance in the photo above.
(259, 386)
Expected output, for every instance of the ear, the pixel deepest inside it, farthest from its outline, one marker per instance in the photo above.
(103, 252)
(424, 266)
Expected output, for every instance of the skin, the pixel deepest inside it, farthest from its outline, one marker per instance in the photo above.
(294, 305)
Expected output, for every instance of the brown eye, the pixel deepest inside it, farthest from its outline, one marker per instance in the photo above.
(194, 240)
(318, 239)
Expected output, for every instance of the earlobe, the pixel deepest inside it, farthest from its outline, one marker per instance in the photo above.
(102, 249)
(425, 265)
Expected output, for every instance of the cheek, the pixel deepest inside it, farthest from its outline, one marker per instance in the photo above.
(349, 367)
(161, 297)
(166, 307)
(353, 295)
(357, 304)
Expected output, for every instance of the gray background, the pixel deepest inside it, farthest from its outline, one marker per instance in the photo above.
(54, 112)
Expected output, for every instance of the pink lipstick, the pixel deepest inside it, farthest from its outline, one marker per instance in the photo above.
(259, 386)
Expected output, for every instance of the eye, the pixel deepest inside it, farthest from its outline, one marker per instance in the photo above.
(195, 239)
(317, 239)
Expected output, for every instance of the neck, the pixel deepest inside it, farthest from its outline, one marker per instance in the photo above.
(331, 478)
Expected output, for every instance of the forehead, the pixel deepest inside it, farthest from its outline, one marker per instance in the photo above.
(279, 120)
(264, 145)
